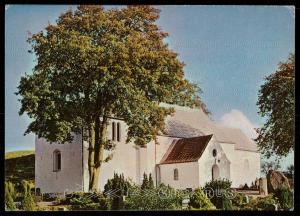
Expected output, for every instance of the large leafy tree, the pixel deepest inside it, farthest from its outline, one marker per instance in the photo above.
(93, 64)
(276, 102)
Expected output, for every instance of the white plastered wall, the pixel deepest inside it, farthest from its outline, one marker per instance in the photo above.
(69, 178)
(188, 175)
(207, 161)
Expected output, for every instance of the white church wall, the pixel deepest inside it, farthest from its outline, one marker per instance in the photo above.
(245, 172)
(188, 175)
(155, 154)
(69, 178)
(241, 174)
(124, 159)
(207, 160)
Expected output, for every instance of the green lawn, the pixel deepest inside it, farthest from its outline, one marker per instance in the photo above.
(19, 165)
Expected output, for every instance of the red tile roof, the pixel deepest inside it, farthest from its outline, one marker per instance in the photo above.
(186, 150)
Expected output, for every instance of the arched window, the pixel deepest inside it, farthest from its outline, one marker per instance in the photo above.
(118, 131)
(175, 174)
(56, 161)
(246, 164)
(214, 153)
(215, 172)
(113, 131)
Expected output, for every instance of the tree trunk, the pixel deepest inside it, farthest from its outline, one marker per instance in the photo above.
(96, 152)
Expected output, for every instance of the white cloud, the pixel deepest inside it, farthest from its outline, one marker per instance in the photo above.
(7, 6)
(237, 119)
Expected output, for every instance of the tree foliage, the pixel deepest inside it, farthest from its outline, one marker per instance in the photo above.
(271, 165)
(119, 186)
(93, 64)
(276, 102)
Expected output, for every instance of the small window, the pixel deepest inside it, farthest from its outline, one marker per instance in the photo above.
(118, 131)
(246, 164)
(175, 174)
(56, 161)
(214, 153)
(113, 131)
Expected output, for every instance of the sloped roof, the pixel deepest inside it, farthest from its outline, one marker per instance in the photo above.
(186, 150)
(187, 122)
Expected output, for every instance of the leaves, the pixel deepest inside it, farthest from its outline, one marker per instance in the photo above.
(277, 103)
(94, 63)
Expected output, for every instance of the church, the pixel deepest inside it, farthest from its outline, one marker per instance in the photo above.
(191, 151)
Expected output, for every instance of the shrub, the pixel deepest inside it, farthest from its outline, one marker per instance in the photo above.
(221, 193)
(88, 201)
(262, 203)
(28, 202)
(10, 196)
(239, 200)
(199, 200)
(159, 198)
(120, 185)
(285, 197)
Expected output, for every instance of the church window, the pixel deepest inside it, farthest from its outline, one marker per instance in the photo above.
(175, 174)
(113, 131)
(118, 131)
(246, 164)
(214, 153)
(56, 161)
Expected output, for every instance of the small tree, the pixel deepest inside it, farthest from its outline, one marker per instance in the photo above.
(119, 186)
(145, 182)
(9, 196)
(150, 182)
(28, 203)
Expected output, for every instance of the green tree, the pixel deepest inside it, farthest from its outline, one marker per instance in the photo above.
(276, 102)
(150, 182)
(120, 186)
(93, 64)
(145, 182)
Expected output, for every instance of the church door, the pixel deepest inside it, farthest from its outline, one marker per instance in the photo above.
(215, 172)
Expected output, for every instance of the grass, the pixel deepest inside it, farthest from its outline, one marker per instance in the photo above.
(19, 165)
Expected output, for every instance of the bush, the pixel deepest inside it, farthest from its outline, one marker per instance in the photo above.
(120, 186)
(199, 200)
(285, 197)
(159, 198)
(221, 193)
(28, 202)
(10, 196)
(87, 201)
(262, 203)
(239, 200)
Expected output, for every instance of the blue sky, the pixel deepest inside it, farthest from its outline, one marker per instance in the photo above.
(228, 50)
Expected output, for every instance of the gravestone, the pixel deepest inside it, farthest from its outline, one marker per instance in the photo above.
(263, 186)
(276, 179)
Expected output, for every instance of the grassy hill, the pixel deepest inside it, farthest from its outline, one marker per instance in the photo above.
(19, 165)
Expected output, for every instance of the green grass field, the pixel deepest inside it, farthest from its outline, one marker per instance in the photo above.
(19, 165)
